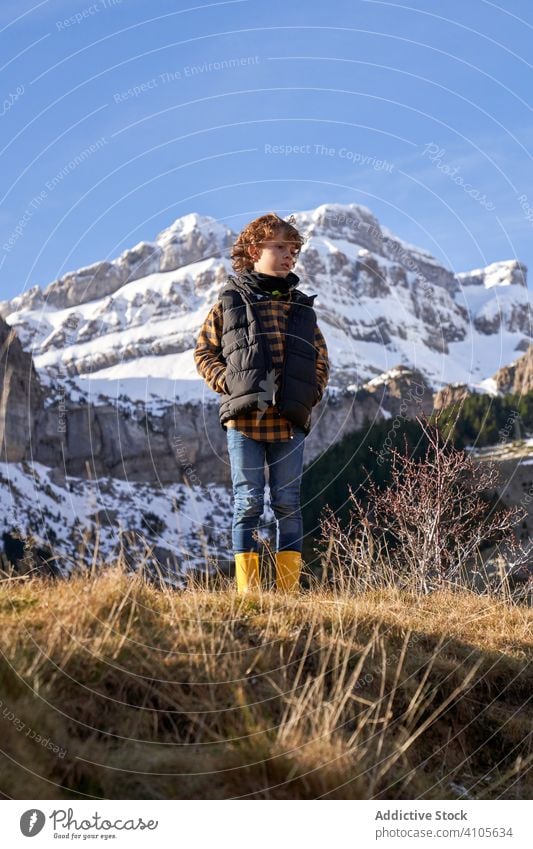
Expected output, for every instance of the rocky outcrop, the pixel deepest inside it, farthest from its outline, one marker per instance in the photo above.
(103, 278)
(370, 279)
(451, 395)
(193, 238)
(518, 376)
(32, 299)
(21, 396)
(87, 284)
(402, 391)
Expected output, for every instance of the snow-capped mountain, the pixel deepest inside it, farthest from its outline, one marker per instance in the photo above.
(128, 327)
(120, 426)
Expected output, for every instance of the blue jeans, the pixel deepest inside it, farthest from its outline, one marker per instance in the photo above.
(285, 464)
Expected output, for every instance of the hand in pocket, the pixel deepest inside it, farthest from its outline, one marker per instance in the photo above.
(222, 383)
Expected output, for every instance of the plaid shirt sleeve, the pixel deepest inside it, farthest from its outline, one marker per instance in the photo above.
(208, 351)
(322, 362)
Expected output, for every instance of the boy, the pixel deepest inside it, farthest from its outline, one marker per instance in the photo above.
(260, 348)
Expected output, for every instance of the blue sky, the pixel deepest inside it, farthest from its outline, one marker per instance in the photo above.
(118, 116)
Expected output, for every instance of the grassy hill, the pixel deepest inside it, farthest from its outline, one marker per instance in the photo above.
(113, 687)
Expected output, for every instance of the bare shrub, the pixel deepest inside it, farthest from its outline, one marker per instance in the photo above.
(427, 528)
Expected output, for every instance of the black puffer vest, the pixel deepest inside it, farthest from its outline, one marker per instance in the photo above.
(249, 368)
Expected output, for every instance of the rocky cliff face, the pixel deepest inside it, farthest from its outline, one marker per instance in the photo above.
(101, 475)
(451, 395)
(401, 392)
(517, 377)
(20, 397)
(133, 445)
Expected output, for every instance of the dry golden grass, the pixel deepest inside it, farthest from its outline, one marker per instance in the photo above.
(196, 693)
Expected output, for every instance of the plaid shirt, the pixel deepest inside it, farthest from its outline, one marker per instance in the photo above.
(267, 424)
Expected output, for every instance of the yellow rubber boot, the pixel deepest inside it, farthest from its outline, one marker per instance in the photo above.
(247, 571)
(288, 566)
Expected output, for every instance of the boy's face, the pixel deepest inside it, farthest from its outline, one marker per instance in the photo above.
(276, 256)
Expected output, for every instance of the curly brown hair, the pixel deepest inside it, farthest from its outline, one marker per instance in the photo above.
(266, 227)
